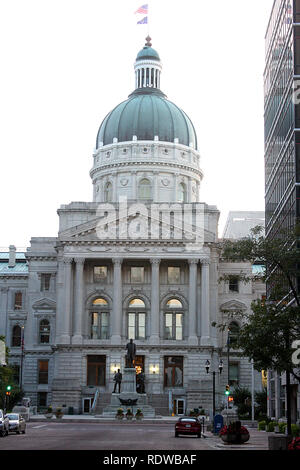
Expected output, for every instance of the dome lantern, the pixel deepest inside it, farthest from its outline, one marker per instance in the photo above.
(147, 67)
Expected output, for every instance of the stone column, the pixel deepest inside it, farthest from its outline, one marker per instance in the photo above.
(134, 187)
(78, 314)
(175, 187)
(189, 190)
(115, 188)
(3, 311)
(154, 315)
(205, 311)
(67, 312)
(155, 186)
(117, 302)
(192, 301)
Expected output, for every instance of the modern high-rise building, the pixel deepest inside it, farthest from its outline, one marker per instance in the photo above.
(282, 156)
(282, 117)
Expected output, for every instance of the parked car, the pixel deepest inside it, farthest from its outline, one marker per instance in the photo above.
(188, 425)
(16, 423)
(4, 424)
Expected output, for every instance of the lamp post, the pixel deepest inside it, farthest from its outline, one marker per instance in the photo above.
(22, 357)
(207, 366)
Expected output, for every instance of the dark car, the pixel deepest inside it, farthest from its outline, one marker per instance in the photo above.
(4, 424)
(188, 425)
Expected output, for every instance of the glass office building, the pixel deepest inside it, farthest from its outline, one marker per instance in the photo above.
(282, 117)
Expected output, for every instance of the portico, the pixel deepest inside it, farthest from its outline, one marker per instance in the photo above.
(79, 285)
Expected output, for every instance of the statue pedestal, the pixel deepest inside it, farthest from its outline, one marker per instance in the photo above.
(128, 384)
(129, 396)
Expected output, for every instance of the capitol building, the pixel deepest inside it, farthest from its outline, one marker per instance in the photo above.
(141, 261)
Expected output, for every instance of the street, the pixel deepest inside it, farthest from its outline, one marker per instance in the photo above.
(115, 436)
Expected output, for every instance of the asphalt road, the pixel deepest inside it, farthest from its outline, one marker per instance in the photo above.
(102, 436)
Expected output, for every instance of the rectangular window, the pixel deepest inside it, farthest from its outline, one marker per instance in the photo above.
(233, 373)
(45, 281)
(174, 326)
(173, 275)
(42, 399)
(96, 366)
(136, 325)
(233, 283)
(100, 273)
(99, 325)
(43, 372)
(173, 371)
(137, 275)
(18, 301)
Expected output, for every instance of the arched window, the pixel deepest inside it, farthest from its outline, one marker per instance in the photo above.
(108, 192)
(233, 332)
(44, 331)
(173, 319)
(99, 319)
(144, 191)
(16, 336)
(136, 319)
(181, 192)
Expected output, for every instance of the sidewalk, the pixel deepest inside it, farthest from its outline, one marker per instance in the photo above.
(99, 419)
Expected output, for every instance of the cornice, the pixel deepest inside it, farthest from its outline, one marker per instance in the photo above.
(124, 164)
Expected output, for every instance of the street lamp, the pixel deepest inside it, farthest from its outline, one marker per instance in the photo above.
(207, 367)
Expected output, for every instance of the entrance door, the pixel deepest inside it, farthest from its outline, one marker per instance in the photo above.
(179, 406)
(139, 364)
(96, 366)
(87, 405)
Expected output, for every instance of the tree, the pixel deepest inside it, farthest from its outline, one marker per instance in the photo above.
(7, 377)
(268, 332)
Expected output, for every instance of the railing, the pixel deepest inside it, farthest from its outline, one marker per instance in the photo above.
(95, 401)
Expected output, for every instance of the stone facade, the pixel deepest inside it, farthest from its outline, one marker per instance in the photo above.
(150, 272)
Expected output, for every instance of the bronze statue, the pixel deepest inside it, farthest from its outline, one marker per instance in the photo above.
(140, 382)
(117, 380)
(130, 356)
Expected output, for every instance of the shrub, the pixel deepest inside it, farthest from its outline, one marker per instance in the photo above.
(271, 426)
(295, 430)
(282, 427)
(262, 425)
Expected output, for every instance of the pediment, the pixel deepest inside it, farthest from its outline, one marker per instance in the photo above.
(144, 226)
(233, 305)
(44, 304)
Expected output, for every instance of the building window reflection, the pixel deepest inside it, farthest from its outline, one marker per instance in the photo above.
(173, 371)
(99, 319)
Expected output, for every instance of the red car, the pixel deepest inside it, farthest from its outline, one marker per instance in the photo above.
(188, 425)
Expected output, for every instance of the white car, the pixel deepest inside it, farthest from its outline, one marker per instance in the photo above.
(16, 423)
(4, 424)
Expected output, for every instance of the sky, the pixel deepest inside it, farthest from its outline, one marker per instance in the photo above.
(67, 63)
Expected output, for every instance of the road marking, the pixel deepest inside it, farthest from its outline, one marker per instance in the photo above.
(41, 426)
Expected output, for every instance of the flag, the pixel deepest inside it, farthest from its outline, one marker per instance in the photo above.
(143, 9)
(143, 21)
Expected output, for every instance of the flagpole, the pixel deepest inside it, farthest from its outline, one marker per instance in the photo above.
(148, 22)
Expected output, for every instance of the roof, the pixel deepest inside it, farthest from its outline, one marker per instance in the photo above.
(20, 267)
(147, 53)
(146, 114)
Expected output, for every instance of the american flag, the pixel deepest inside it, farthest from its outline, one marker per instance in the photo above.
(143, 9)
(143, 21)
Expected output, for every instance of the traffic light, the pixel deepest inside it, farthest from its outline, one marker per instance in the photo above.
(227, 390)
(8, 390)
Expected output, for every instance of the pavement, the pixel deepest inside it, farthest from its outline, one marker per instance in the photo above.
(258, 439)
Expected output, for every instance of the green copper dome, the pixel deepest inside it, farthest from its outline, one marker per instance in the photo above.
(146, 114)
(147, 53)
